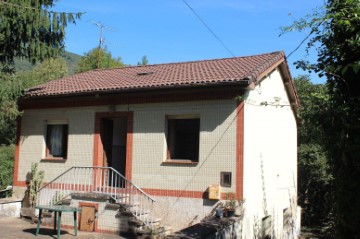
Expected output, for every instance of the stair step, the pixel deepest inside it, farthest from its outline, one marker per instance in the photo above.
(65, 202)
(133, 213)
(112, 206)
(116, 206)
(92, 195)
(160, 231)
(139, 213)
(133, 204)
(148, 219)
(136, 222)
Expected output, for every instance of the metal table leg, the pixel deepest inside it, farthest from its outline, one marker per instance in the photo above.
(55, 220)
(38, 223)
(59, 225)
(75, 223)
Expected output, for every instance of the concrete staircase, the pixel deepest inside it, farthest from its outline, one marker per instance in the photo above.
(118, 199)
(135, 226)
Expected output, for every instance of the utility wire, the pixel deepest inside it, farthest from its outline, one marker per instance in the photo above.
(298, 46)
(306, 37)
(209, 29)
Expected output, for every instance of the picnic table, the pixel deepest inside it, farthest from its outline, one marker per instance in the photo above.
(58, 210)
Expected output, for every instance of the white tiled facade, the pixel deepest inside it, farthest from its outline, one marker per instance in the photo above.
(216, 153)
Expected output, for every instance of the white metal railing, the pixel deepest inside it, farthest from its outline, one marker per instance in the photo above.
(102, 180)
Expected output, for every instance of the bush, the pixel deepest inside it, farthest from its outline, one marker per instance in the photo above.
(6, 165)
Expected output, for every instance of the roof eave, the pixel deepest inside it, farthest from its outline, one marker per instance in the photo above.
(244, 83)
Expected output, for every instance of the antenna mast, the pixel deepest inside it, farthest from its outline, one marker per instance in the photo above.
(101, 40)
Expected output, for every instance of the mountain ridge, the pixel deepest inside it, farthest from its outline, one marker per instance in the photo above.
(72, 60)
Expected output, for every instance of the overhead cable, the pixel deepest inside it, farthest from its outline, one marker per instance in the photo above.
(209, 29)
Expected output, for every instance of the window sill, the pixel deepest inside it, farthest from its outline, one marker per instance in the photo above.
(180, 162)
(54, 159)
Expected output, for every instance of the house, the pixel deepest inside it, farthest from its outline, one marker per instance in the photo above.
(156, 137)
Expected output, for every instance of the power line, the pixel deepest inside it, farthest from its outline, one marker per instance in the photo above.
(209, 29)
(308, 34)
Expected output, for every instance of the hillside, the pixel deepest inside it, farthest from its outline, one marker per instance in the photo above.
(71, 59)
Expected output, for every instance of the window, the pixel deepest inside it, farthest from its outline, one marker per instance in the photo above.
(183, 134)
(56, 140)
(225, 179)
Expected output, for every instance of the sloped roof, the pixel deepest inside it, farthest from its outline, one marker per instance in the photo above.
(161, 76)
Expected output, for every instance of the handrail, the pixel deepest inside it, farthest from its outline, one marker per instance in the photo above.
(129, 181)
(100, 180)
(99, 167)
(46, 184)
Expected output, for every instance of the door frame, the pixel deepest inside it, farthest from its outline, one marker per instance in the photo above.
(98, 146)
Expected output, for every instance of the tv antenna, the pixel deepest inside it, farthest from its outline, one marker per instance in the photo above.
(101, 39)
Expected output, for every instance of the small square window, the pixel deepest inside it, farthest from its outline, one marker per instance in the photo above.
(225, 179)
(183, 135)
(56, 141)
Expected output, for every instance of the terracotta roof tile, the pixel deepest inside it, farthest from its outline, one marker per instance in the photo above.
(207, 72)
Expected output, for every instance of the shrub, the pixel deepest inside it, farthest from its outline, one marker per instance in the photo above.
(6, 165)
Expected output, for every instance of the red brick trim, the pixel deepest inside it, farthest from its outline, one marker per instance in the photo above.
(179, 193)
(17, 156)
(240, 150)
(98, 150)
(129, 98)
(129, 145)
(98, 147)
(175, 193)
(87, 204)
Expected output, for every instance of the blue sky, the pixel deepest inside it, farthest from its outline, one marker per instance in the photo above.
(168, 31)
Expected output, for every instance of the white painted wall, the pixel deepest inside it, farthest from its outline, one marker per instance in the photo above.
(10, 208)
(270, 156)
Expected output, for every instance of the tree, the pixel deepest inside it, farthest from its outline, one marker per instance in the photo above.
(14, 85)
(96, 57)
(335, 35)
(144, 61)
(51, 69)
(9, 92)
(314, 169)
(30, 30)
